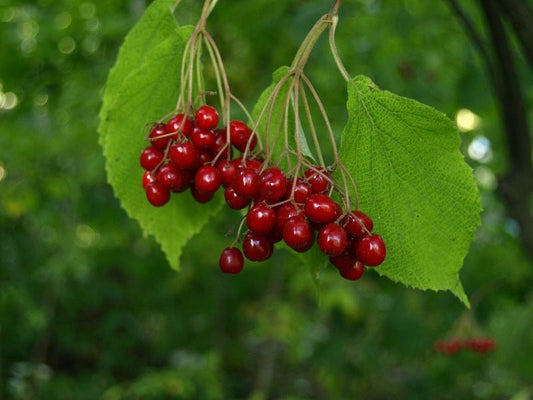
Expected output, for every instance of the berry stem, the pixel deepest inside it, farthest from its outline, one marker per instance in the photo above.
(312, 127)
(333, 47)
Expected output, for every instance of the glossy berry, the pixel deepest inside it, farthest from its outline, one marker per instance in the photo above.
(207, 178)
(204, 157)
(285, 212)
(233, 200)
(174, 179)
(203, 140)
(231, 261)
(343, 261)
(251, 163)
(221, 145)
(148, 177)
(307, 245)
(228, 170)
(356, 222)
(200, 196)
(354, 272)
(206, 117)
(158, 136)
(240, 134)
(320, 208)
(318, 180)
(246, 183)
(180, 123)
(150, 158)
(257, 247)
(184, 155)
(297, 233)
(302, 190)
(370, 250)
(261, 218)
(157, 194)
(272, 184)
(332, 239)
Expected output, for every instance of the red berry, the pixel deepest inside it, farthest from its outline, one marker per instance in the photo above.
(207, 178)
(251, 163)
(231, 261)
(228, 170)
(233, 200)
(204, 157)
(320, 208)
(272, 184)
(148, 177)
(157, 194)
(179, 123)
(158, 136)
(257, 247)
(354, 272)
(343, 261)
(201, 197)
(448, 347)
(302, 190)
(318, 180)
(275, 235)
(206, 117)
(150, 158)
(174, 179)
(221, 144)
(203, 140)
(184, 155)
(332, 239)
(297, 233)
(246, 183)
(240, 135)
(354, 223)
(285, 212)
(370, 250)
(481, 345)
(261, 218)
(307, 245)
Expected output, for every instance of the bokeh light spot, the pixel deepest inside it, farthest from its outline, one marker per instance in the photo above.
(63, 20)
(466, 120)
(480, 149)
(66, 45)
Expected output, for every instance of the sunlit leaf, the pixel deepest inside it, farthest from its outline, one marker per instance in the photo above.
(413, 181)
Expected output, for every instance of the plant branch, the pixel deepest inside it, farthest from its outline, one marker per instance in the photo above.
(516, 187)
(520, 15)
(475, 37)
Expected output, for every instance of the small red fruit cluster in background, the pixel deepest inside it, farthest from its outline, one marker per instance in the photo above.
(478, 345)
(191, 153)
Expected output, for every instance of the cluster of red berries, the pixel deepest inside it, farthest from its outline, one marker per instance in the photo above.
(181, 153)
(452, 346)
(297, 210)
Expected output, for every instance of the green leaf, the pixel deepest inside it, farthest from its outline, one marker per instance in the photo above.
(272, 120)
(414, 183)
(156, 24)
(148, 91)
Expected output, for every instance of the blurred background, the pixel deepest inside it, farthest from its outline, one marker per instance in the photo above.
(89, 308)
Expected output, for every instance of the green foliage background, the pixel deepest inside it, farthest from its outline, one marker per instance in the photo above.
(90, 309)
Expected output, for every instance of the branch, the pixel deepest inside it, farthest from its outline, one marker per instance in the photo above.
(516, 187)
(520, 15)
(475, 37)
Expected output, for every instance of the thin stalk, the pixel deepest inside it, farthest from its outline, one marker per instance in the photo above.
(312, 127)
(333, 47)
(324, 115)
